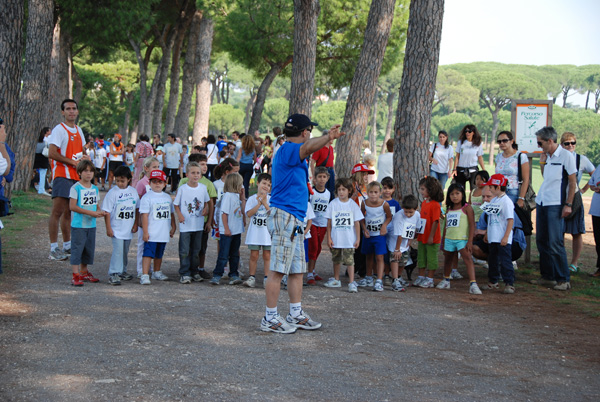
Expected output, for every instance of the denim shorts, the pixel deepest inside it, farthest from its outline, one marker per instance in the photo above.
(454, 245)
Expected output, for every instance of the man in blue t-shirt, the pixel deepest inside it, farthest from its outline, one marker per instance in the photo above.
(221, 143)
(288, 204)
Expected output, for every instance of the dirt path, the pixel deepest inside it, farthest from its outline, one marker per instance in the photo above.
(170, 342)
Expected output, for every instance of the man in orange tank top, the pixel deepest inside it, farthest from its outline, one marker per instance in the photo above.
(66, 149)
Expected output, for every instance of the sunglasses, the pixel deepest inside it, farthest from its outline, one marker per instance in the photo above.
(503, 141)
(468, 130)
(566, 144)
(539, 143)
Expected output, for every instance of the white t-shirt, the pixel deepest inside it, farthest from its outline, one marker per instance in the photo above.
(3, 164)
(212, 154)
(309, 215)
(232, 206)
(385, 166)
(442, 155)
(219, 186)
(99, 157)
(159, 208)
(405, 227)
(499, 210)
(172, 155)
(319, 202)
(190, 201)
(121, 205)
(257, 234)
(129, 158)
(585, 165)
(342, 216)
(60, 138)
(469, 153)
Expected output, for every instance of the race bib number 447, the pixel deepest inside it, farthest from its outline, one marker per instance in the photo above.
(161, 211)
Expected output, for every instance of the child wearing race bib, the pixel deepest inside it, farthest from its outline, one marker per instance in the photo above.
(121, 219)
(387, 184)
(158, 225)
(231, 227)
(343, 230)
(228, 166)
(405, 223)
(129, 156)
(84, 211)
(319, 201)
(458, 236)
(258, 237)
(429, 230)
(191, 205)
(377, 216)
(501, 213)
(475, 200)
(142, 187)
(359, 176)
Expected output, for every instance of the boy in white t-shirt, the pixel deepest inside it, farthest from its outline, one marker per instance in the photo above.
(343, 232)
(501, 213)
(405, 223)
(319, 201)
(257, 236)
(191, 205)
(158, 224)
(121, 221)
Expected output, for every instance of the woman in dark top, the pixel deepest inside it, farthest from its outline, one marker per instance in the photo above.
(40, 163)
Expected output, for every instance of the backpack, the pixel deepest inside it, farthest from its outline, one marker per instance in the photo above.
(525, 218)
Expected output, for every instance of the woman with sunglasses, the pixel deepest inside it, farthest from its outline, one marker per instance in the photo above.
(507, 163)
(469, 153)
(576, 225)
(441, 157)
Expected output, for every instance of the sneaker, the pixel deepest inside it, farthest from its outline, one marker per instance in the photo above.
(145, 279)
(125, 276)
(397, 286)
(197, 278)
(474, 289)
(234, 280)
(159, 276)
(573, 268)
(77, 281)
(455, 274)
(185, 279)
(370, 281)
(378, 287)
(114, 279)
(303, 321)
(515, 266)
(418, 281)
(444, 284)
(204, 274)
(250, 282)
(404, 283)
(311, 282)
(66, 251)
(362, 283)
(543, 282)
(491, 286)
(89, 277)
(509, 290)
(352, 287)
(562, 286)
(317, 277)
(333, 283)
(387, 280)
(428, 283)
(485, 265)
(215, 280)
(57, 255)
(277, 325)
(478, 261)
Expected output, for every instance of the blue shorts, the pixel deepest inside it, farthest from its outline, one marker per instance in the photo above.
(154, 250)
(306, 250)
(454, 245)
(374, 245)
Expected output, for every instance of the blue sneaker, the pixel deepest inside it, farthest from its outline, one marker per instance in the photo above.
(235, 280)
(215, 280)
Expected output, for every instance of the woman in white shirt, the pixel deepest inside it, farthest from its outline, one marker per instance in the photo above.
(469, 153)
(441, 157)
(507, 163)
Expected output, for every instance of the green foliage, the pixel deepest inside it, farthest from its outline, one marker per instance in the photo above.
(329, 114)
(482, 119)
(225, 118)
(593, 151)
(585, 124)
(453, 90)
(275, 112)
(452, 123)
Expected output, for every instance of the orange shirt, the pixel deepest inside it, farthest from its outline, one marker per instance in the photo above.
(431, 211)
(70, 145)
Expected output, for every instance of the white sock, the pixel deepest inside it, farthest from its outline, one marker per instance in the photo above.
(66, 245)
(53, 246)
(310, 275)
(295, 309)
(270, 313)
(200, 269)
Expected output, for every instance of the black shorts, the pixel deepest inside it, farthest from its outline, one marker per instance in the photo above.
(101, 173)
(61, 187)
(112, 165)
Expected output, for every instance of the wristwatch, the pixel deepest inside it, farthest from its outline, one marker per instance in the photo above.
(568, 204)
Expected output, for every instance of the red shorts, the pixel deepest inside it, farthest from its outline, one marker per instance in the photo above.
(314, 243)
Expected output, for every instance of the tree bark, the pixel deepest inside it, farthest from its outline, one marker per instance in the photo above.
(373, 132)
(182, 121)
(59, 74)
(11, 49)
(364, 84)
(261, 95)
(306, 13)
(30, 115)
(203, 80)
(390, 120)
(249, 107)
(143, 88)
(417, 92)
(162, 75)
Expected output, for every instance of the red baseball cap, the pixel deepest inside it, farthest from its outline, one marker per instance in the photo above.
(497, 180)
(361, 167)
(158, 174)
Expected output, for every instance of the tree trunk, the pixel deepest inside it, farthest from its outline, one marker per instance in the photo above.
(203, 80)
(182, 121)
(496, 123)
(565, 92)
(30, 115)
(417, 91)
(597, 100)
(364, 84)
(587, 99)
(390, 120)
(261, 95)
(306, 13)
(143, 89)
(76, 83)
(127, 119)
(373, 133)
(162, 75)
(249, 106)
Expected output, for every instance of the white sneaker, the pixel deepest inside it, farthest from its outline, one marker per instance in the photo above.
(353, 287)
(333, 283)
(159, 276)
(515, 266)
(426, 283)
(370, 281)
(418, 281)
(250, 282)
(474, 289)
(478, 261)
(145, 280)
(455, 274)
(378, 287)
(444, 284)
(277, 325)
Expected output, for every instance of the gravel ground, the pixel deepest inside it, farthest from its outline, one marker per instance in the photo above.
(171, 342)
